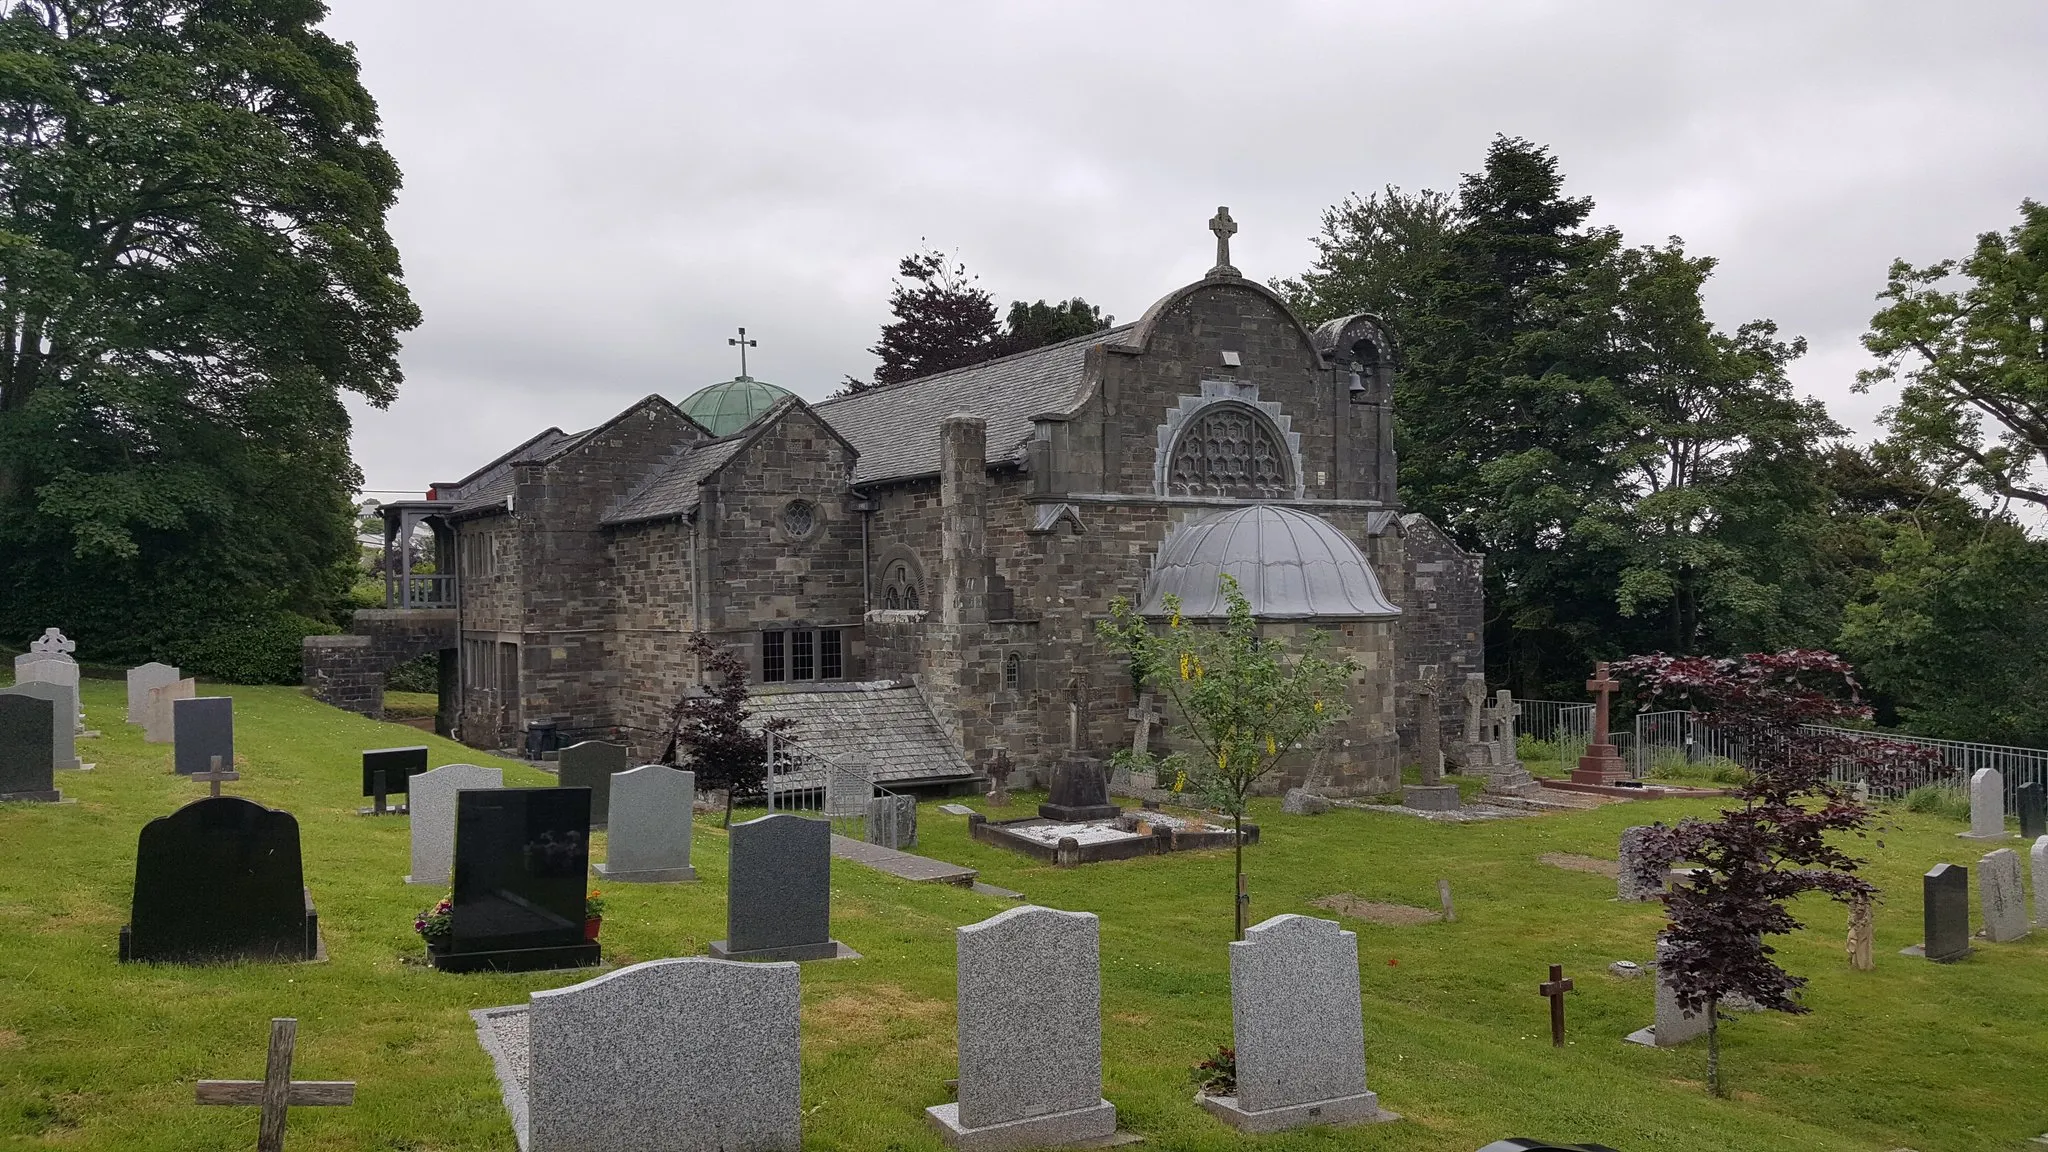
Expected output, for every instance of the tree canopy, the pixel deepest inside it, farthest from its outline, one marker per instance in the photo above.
(194, 268)
(945, 320)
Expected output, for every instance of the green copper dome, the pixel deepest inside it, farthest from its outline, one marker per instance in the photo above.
(726, 408)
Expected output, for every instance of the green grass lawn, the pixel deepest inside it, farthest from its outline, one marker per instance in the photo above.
(95, 1055)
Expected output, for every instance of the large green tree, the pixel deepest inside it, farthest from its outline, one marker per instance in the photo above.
(194, 269)
(1972, 364)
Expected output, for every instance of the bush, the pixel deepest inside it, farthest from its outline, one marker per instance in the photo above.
(1939, 800)
(418, 675)
(257, 649)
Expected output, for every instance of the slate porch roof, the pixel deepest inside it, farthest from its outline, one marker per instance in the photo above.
(675, 488)
(884, 726)
(895, 428)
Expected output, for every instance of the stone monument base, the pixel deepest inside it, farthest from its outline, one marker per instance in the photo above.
(1057, 1130)
(1363, 1108)
(1921, 950)
(646, 875)
(1984, 835)
(829, 950)
(1602, 764)
(516, 959)
(1647, 1037)
(1516, 783)
(1430, 797)
(51, 797)
(1079, 813)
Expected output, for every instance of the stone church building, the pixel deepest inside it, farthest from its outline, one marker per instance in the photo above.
(915, 572)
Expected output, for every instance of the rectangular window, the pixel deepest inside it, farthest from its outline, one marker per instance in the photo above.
(771, 658)
(831, 664)
(801, 663)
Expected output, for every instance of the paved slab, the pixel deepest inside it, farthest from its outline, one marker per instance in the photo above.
(903, 865)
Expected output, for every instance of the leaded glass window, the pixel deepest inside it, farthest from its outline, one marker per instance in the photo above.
(1230, 451)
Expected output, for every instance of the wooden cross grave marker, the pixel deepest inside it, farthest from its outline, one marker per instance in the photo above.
(1555, 988)
(213, 777)
(277, 1091)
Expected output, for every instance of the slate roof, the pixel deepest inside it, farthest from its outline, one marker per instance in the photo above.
(883, 726)
(675, 486)
(895, 428)
(493, 482)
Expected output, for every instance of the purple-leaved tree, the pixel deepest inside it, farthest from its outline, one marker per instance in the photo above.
(708, 732)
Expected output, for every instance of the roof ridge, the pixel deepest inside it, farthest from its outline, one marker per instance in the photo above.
(1100, 336)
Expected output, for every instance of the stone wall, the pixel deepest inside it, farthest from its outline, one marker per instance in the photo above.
(1442, 623)
(347, 671)
(654, 565)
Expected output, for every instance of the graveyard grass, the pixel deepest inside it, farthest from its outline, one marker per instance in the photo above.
(96, 1055)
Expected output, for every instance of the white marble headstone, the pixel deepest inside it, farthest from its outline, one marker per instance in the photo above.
(159, 722)
(431, 799)
(1298, 1027)
(2005, 900)
(685, 1055)
(649, 837)
(1987, 805)
(140, 680)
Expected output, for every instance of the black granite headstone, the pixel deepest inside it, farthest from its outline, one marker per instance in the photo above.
(27, 768)
(1079, 791)
(591, 764)
(1946, 889)
(396, 766)
(2033, 806)
(778, 896)
(220, 880)
(203, 728)
(522, 865)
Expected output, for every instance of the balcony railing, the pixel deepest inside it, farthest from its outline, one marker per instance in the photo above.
(417, 591)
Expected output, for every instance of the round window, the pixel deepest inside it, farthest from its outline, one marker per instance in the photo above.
(798, 518)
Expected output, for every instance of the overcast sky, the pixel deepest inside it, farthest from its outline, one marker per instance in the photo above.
(597, 195)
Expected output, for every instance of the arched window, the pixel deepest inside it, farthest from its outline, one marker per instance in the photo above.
(1230, 451)
(900, 585)
(1013, 671)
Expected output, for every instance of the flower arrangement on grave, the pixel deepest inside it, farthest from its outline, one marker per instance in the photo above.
(1217, 1076)
(593, 914)
(436, 924)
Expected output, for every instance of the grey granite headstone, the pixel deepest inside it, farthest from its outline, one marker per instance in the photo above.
(160, 722)
(778, 898)
(1030, 1033)
(2032, 806)
(591, 765)
(1298, 1029)
(205, 728)
(26, 767)
(1987, 806)
(1632, 882)
(432, 801)
(63, 744)
(2038, 856)
(649, 838)
(1673, 1026)
(140, 680)
(892, 821)
(686, 1055)
(1945, 895)
(52, 670)
(2005, 899)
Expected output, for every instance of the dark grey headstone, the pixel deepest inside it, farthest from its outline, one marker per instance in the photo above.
(892, 821)
(203, 727)
(2033, 806)
(27, 768)
(220, 880)
(399, 766)
(591, 764)
(778, 901)
(1946, 889)
(1079, 791)
(522, 858)
(63, 750)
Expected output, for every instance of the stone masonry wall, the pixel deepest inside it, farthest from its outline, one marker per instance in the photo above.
(654, 565)
(1442, 623)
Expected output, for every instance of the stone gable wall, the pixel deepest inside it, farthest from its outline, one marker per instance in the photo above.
(654, 565)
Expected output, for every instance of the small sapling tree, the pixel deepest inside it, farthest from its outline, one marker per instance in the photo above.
(1781, 840)
(1243, 698)
(708, 728)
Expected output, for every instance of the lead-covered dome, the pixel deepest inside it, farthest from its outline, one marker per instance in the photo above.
(1289, 564)
(728, 407)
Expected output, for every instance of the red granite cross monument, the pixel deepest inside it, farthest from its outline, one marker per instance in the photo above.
(1602, 763)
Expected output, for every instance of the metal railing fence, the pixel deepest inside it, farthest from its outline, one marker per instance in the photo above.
(803, 783)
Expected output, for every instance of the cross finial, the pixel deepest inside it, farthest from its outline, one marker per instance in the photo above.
(1224, 228)
(743, 344)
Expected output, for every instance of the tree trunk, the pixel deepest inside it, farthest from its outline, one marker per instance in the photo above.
(1714, 1047)
(728, 809)
(1237, 891)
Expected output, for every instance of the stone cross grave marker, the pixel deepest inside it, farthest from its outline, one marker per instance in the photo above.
(215, 776)
(52, 643)
(1475, 702)
(1862, 936)
(2038, 856)
(277, 1091)
(1504, 713)
(62, 744)
(1298, 1029)
(1945, 913)
(1987, 806)
(389, 770)
(160, 720)
(140, 680)
(1144, 718)
(203, 728)
(1030, 1033)
(591, 764)
(649, 840)
(999, 778)
(1602, 763)
(1674, 1024)
(681, 1055)
(1554, 989)
(432, 800)
(778, 903)
(2033, 811)
(1432, 795)
(2004, 897)
(27, 764)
